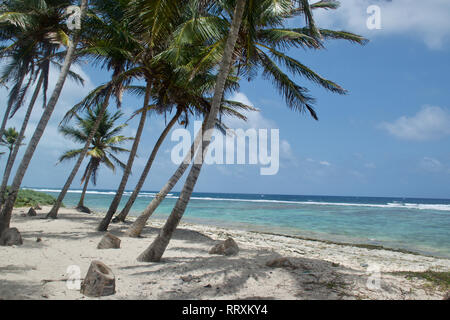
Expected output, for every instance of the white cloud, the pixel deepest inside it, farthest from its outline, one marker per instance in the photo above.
(370, 165)
(426, 20)
(325, 163)
(433, 165)
(429, 123)
(255, 119)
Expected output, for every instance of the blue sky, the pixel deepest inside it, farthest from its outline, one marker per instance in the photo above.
(388, 137)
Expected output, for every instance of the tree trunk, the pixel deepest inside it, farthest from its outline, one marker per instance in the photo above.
(12, 157)
(103, 226)
(99, 280)
(5, 118)
(135, 229)
(123, 214)
(155, 251)
(9, 107)
(54, 210)
(83, 193)
(5, 214)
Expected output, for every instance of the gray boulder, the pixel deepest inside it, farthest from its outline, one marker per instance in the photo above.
(10, 237)
(227, 248)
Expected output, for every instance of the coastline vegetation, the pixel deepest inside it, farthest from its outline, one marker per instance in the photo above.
(436, 279)
(32, 198)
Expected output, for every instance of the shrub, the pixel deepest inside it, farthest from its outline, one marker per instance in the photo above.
(31, 198)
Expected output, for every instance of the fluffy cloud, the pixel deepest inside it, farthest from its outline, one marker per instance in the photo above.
(429, 123)
(255, 119)
(433, 165)
(426, 20)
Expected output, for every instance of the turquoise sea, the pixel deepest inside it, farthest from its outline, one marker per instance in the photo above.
(419, 225)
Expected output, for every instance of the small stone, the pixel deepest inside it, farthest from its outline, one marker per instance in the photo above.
(109, 241)
(32, 212)
(187, 278)
(10, 237)
(280, 263)
(38, 239)
(334, 264)
(228, 248)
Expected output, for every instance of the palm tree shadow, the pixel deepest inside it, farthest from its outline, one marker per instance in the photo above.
(19, 290)
(215, 276)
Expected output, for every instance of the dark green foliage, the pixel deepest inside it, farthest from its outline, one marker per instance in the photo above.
(31, 198)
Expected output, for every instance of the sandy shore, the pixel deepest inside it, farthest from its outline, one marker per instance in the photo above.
(37, 270)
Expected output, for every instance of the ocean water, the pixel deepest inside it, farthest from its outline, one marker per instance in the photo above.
(419, 225)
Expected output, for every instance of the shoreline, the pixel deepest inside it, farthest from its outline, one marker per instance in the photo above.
(368, 246)
(323, 270)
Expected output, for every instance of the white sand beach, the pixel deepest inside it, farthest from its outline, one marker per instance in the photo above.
(38, 269)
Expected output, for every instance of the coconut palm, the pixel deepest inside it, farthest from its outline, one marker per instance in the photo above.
(267, 32)
(255, 46)
(9, 139)
(103, 148)
(154, 21)
(33, 31)
(108, 42)
(5, 214)
(155, 251)
(188, 97)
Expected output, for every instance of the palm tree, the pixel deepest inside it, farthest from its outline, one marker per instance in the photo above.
(161, 17)
(260, 35)
(5, 214)
(9, 139)
(103, 148)
(155, 251)
(108, 42)
(33, 32)
(189, 97)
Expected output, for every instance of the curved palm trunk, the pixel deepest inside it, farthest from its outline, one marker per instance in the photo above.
(103, 226)
(135, 229)
(123, 214)
(5, 117)
(54, 210)
(155, 251)
(9, 107)
(5, 214)
(83, 193)
(12, 157)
